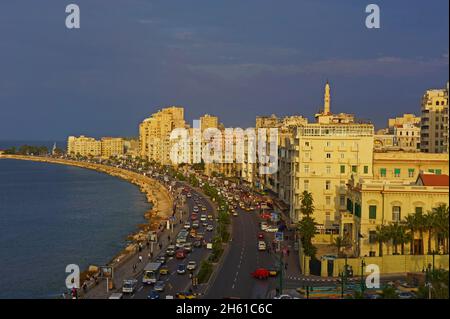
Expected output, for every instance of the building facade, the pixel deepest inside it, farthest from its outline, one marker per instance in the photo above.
(112, 147)
(83, 146)
(434, 121)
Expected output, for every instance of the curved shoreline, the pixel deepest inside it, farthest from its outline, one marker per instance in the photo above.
(157, 195)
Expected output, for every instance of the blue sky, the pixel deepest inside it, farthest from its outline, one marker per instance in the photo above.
(232, 58)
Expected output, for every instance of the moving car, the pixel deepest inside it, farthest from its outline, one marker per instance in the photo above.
(192, 265)
(203, 218)
(262, 246)
(235, 213)
(187, 225)
(151, 273)
(129, 286)
(197, 243)
(264, 226)
(272, 229)
(195, 224)
(159, 285)
(153, 295)
(260, 273)
(170, 251)
(261, 236)
(210, 227)
(181, 269)
(185, 295)
(180, 254)
(164, 270)
(188, 247)
(161, 259)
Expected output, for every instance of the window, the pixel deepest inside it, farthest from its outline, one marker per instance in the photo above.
(328, 143)
(328, 155)
(396, 215)
(306, 169)
(419, 210)
(354, 168)
(327, 185)
(307, 155)
(372, 212)
(383, 172)
(397, 172)
(342, 156)
(358, 210)
(342, 169)
(306, 143)
(366, 169)
(411, 172)
(306, 185)
(328, 169)
(349, 205)
(328, 200)
(342, 200)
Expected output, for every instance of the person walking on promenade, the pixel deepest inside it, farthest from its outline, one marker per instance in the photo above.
(160, 246)
(134, 267)
(285, 266)
(168, 238)
(140, 258)
(147, 243)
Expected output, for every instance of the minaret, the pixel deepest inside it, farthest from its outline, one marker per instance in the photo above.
(327, 99)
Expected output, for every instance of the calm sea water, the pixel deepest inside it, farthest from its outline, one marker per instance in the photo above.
(54, 215)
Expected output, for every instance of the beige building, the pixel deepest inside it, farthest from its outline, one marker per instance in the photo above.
(112, 147)
(83, 146)
(371, 203)
(131, 147)
(208, 121)
(434, 121)
(154, 134)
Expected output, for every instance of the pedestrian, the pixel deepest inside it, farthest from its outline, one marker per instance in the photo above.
(140, 258)
(288, 252)
(134, 267)
(147, 244)
(160, 246)
(168, 238)
(285, 266)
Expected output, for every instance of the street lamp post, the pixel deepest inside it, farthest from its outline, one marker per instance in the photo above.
(363, 264)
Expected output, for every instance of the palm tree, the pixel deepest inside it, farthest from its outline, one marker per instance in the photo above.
(339, 242)
(429, 226)
(307, 204)
(420, 221)
(381, 236)
(397, 233)
(441, 214)
(410, 224)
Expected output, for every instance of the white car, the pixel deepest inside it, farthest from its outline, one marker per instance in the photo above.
(272, 229)
(191, 265)
(210, 227)
(195, 209)
(116, 295)
(264, 226)
(187, 225)
(261, 245)
(129, 286)
(203, 218)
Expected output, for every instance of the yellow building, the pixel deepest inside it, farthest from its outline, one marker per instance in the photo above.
(373, 202)
(406, 166)
(434, 123)
(154, 134)
(208, 121)
(112, 146)
(83, 146)
(405, 119)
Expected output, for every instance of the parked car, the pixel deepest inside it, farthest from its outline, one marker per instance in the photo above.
(210, 227)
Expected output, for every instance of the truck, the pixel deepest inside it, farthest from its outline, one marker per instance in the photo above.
(151, 273)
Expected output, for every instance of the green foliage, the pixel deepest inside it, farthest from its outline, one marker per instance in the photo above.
(27, 150)
(389, 293)
(205, 271)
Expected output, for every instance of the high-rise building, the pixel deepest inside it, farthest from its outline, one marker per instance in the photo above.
(208, 121)
(154, 134)
(434, 121)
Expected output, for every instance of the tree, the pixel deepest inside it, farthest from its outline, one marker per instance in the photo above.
(429, 226)
(389, 293)
(307, 228)
(419, 219)
(339, 242)
(397, 233)
(441, 214)
(410, 224)
(381, 236)
(307, 204)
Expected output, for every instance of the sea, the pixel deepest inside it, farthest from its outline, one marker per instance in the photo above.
(54, 215)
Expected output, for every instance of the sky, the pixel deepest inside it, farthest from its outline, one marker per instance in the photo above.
(232, 58)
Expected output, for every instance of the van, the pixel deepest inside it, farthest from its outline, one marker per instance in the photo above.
(151, 273)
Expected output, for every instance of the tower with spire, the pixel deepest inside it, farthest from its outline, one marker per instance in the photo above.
(327, 100)
(325, 116)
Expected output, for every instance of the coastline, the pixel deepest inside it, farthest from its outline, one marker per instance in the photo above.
(157, 196)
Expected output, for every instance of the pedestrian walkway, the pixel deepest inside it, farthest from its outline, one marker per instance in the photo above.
(131, 267)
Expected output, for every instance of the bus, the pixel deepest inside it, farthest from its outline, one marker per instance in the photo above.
(151, 273)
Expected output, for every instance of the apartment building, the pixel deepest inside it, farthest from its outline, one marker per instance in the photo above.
(434, 121)
(154, 134)
(112, 146)
(83, 146)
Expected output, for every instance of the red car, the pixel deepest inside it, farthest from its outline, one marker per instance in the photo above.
(261, 236)
(261, 273)
(180, 254)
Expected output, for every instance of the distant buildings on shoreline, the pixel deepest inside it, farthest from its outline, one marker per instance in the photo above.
(359, 178)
